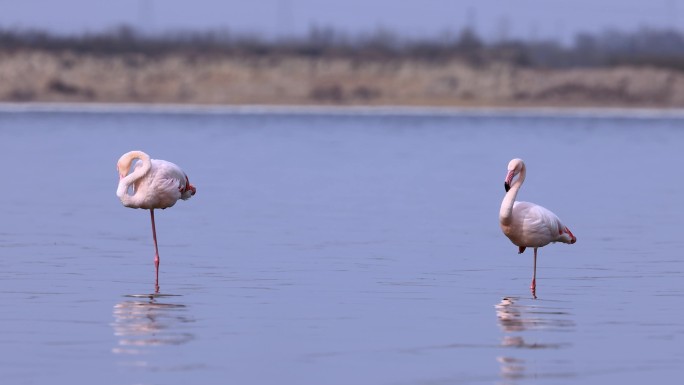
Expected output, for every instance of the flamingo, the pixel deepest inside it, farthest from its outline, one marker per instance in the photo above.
(156, 184)
(527, 224)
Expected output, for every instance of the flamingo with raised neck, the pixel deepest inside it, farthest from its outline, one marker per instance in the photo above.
(527, 224)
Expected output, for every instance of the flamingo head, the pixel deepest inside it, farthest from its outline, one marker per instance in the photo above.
(514, 167)
(189, 189)
(567, 236)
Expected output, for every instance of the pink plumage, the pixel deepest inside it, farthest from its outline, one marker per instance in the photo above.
(152, 184)
(527, 224)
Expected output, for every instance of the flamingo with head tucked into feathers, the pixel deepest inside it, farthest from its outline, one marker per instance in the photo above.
(155, 184)
(527, 224)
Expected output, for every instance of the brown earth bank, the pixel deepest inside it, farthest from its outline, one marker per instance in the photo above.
(40, 76)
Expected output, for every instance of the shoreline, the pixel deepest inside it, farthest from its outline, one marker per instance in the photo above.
(346, 110)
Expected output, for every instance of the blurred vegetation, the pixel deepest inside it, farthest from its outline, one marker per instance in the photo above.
(645, 47)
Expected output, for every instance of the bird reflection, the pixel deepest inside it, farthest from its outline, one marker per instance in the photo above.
(511, 368)
(520, 323)
(514, 317)
(140, 324)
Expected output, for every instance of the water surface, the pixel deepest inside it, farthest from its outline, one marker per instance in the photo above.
(340, 247)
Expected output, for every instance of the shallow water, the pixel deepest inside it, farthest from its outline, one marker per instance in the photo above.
(333, 247)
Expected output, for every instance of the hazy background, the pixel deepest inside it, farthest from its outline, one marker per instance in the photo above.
(491, 19)
(468, 53)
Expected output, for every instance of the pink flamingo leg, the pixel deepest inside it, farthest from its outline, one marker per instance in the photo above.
(156, 253)
(533, 287)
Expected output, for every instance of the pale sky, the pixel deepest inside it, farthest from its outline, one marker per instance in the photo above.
(492, 19)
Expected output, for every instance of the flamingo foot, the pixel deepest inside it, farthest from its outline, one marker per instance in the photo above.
(533, 288)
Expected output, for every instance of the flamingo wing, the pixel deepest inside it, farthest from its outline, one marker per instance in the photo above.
(165, 184)
(536, 226)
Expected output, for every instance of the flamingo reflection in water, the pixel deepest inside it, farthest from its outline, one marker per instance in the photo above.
(144, 323)
(520, 322)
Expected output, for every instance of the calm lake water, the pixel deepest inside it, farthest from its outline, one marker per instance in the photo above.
(341, 247)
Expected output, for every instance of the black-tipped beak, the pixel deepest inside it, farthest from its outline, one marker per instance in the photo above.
(508, 180)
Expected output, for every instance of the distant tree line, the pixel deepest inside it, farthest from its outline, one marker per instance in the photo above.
(645, 47)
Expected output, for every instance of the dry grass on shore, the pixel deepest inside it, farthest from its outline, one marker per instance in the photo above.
(49, 76)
